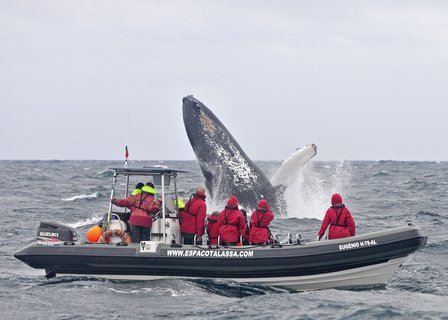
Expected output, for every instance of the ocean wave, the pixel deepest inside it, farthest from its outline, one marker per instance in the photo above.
(427, 213)
(230, 289)
(443, 244)
(94, 219)
(381, 173)
(160, 166)
(94, 195)
(105, 173)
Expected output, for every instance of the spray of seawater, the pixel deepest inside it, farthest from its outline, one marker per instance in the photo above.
(93, 219)
(308, 190)
(308, 194)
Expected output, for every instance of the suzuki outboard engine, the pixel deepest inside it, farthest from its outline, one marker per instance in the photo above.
(56, 232)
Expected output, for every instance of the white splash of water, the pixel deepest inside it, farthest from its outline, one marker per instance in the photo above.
(82, 196)
(308, 194)
(94, 219)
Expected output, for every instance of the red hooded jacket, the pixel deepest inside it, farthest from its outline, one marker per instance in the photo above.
(259, 223)
(193, 216)
(142, 207)
(231, 222)
(340, 220)
(213, 228)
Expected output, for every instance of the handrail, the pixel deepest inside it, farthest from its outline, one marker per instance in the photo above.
(163, 209)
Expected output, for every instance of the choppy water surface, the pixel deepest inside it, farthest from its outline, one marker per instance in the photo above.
(379, 194)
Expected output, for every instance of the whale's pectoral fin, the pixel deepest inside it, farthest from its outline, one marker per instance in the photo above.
(291, 166)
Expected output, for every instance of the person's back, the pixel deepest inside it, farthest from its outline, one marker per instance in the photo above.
(340, 220)
(259, 223)
(193, 217)
(142, 206)
(213, 228)
(231, 223)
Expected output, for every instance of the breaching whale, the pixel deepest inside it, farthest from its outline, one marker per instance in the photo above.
(226, 167)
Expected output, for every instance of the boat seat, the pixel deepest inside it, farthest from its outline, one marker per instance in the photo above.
(117, 224)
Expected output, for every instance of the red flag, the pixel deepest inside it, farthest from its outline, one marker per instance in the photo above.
(127, 153)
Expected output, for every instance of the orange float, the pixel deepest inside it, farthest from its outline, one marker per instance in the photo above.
(94, 234)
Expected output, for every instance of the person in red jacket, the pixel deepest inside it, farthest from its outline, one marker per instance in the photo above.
(231, 223)
(193, 217)
(142, 206)
(339, 219)
(259, 223)
(212, 228)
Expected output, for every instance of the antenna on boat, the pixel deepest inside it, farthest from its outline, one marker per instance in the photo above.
(126, 155)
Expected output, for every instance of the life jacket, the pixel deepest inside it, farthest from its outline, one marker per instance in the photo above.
(231, 224)
(259, 226)
(143, 208)
(338, 215)
(340, 222)
(193, 215)
(136, 192)
(226, 215)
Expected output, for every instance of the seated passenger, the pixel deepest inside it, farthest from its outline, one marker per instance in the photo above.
(212, 228)
(259, 223)
(231, 223)
(340, 220)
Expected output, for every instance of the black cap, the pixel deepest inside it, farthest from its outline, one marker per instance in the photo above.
(139, 185)
(150, 184)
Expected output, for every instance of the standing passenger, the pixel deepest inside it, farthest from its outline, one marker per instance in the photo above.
(259, 223)
(142, 206)
(340, 220)
(193, 217)
(231, 223)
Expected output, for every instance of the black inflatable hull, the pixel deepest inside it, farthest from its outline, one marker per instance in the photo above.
(362, 260)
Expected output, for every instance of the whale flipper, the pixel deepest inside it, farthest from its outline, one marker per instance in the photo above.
(295, 162)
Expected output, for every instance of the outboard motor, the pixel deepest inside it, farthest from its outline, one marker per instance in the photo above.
(56, 232)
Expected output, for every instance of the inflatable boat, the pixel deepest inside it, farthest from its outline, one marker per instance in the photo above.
(368, 259)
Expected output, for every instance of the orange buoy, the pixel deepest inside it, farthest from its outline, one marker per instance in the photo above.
(94, 233)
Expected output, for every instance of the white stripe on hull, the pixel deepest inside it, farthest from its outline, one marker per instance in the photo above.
(370, 275)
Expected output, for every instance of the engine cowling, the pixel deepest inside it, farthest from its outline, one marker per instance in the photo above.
(55, 232)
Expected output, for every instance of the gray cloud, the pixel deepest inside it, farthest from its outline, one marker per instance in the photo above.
(362, 80)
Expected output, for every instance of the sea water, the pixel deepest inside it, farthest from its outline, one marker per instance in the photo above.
(380, 195)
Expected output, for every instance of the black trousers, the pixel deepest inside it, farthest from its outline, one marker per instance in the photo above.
(189, 238)
(140, 233)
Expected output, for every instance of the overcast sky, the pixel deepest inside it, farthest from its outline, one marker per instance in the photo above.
(364, 80)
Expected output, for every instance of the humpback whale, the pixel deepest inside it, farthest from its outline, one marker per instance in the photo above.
(226, 167)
